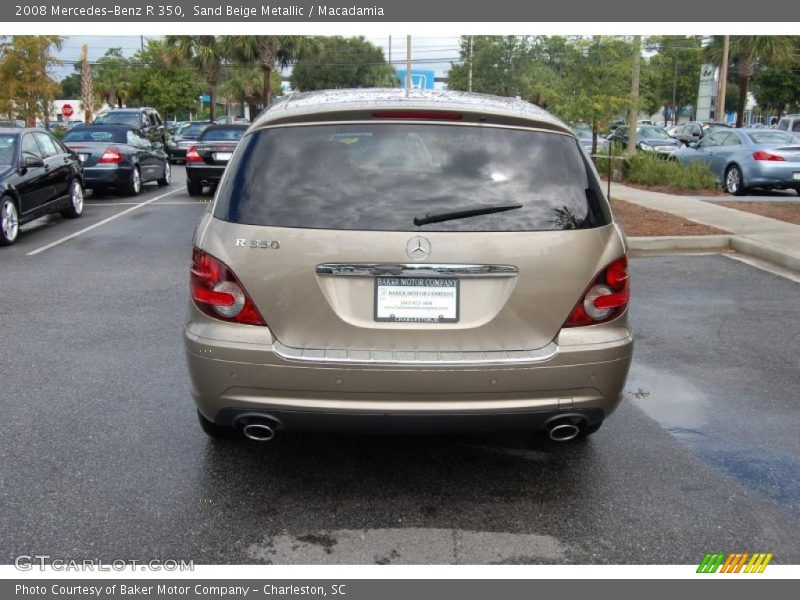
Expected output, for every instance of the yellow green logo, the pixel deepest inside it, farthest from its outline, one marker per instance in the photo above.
(734, 562)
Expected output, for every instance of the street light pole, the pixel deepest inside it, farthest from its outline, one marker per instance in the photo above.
(469, 76)
(722, 90)
(633, 111)
(408, 64)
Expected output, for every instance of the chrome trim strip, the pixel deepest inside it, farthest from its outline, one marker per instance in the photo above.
(419, 358)
(415, 270)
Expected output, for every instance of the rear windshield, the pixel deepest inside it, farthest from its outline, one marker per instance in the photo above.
(380, 176)
(771, 137)
(115, 118)
(234, 134)
(193, 128)
(95, 135)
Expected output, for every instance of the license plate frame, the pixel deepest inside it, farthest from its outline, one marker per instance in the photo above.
(450, 304)
(222, 156)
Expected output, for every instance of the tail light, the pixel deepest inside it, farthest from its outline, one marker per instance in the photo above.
(111, 155)
(217, 292)
(762, 155)
(193, 156)
(605, 299)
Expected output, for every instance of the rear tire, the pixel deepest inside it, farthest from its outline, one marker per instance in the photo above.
(734, 182)
(75, 208)
(134, 183)
(218, 432)
(9, 221)
(167, 178)
(195, 188)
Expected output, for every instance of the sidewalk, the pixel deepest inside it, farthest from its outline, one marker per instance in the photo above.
(765, 238)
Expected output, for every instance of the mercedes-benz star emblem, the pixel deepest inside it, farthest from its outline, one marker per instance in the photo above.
(418, 248)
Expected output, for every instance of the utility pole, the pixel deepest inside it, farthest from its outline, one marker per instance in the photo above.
(141, 42)
(408, 64)
(675, 92)
(390, 50)
(469, 76)
(722, 90)
(633, 111)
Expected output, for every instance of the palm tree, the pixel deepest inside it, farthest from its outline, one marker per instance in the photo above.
(270, 51)
(747, 54)
(244, 86)
(205, 52)
(87, 91)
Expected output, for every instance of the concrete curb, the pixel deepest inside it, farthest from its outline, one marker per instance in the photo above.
(705, 243)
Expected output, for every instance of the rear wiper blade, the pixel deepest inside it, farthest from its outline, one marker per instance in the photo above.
(462, 214)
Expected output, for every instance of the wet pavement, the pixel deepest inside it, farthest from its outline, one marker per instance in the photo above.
(102, 456)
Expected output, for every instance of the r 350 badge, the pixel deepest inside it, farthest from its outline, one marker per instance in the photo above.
(266, 244)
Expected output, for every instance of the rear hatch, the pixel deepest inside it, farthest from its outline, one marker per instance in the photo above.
(410, 236)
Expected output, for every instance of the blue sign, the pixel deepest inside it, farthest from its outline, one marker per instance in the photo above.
(420, 79)
(206, 99)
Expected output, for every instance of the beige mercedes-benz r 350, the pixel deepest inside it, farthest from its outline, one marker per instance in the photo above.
(388, 260)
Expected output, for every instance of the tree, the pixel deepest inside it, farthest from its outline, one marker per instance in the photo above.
(778, 89)
(749, 53)
(343, 63)
(70, 85)
(244, 85)
(270, 51)
(87, 89)
(672, 74)
(27, 87)
(112, 78)
(170, 88)
(206, 53)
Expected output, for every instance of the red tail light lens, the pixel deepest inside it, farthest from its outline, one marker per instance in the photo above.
(762, 155)
(605, 299)
(111, 155)
(218, 293)
(417, 114)
(193, 156)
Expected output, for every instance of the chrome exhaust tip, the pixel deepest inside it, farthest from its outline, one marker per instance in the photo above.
(259, 432)
(563, 432)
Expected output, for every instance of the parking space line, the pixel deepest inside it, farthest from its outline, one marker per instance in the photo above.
(96, 225)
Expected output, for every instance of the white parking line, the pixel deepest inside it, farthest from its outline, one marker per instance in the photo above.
(96, 225)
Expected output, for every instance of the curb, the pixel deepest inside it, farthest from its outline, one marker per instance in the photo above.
(739, 243)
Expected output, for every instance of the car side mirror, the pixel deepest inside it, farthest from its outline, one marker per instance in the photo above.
(31, 162)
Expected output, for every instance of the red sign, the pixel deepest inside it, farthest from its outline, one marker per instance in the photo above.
(66, 110)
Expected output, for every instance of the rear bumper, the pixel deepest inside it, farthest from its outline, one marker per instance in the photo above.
(244, 374)
(110, 176)
(773, 174)
(203, 172)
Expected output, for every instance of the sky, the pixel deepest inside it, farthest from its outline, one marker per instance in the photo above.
(430, 53)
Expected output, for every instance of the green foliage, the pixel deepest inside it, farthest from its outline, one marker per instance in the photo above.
(112, 77)
(675, 68)
(70, 87)
(343, 63)
(779, 88)
(206, 53)
(170, 89)
(645, 169)
(27, 89)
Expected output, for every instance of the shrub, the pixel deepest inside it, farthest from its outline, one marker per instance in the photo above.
(646, 169)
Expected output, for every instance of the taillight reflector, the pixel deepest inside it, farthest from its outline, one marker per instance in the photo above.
(606, 297)
(217, 292)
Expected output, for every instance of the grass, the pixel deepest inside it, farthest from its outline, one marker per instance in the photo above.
(646, 169)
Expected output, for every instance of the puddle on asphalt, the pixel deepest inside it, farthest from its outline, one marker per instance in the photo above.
(685, 411)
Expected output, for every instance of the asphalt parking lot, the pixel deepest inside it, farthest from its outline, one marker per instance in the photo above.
(102, 456)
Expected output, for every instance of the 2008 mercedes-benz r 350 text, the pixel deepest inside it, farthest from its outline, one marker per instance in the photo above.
(424, 261)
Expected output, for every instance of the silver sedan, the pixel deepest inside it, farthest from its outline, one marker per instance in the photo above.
(748, 158)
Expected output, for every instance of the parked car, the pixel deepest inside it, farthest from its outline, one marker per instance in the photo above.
(184, 138)
(385, 259)
(119, 157)
(748, 158)
(38, 175)
(693, 131)
(649, 138)
(789, 123)
(13, 123)
(144, 119)
(231, 120)
(584, 135)
(207, 159)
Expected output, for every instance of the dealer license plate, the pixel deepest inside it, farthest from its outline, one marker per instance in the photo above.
(416, 300)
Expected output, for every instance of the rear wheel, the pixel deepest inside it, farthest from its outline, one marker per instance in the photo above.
(195, 188)
(167, 178)
(734, 182)
(9, 221)
(134, 183)
(211, 429)
(75, 208)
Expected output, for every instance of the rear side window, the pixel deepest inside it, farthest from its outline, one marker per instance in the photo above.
(380, 176)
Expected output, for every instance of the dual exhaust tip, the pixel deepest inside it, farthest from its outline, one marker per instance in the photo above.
(263, 428)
